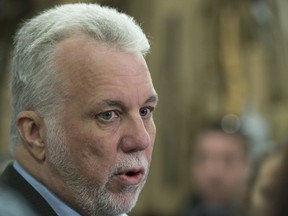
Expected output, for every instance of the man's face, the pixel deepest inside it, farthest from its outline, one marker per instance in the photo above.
(219, 167)
(107, 123)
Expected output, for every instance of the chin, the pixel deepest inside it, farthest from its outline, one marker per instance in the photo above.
(127, 200)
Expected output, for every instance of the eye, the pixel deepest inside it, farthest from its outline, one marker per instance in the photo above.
(146, 111)
(108, 115)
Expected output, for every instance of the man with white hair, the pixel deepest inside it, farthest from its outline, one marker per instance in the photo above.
(82, 130)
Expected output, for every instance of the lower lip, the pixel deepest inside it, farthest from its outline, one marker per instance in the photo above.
(130, 180)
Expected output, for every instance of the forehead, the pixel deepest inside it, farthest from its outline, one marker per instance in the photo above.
(82, 52)
(219, 142)
(84, 62)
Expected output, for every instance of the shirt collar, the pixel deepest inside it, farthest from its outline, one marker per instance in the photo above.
(58, 205)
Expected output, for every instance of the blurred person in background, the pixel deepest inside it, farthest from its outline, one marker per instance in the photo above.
(219, 169)
(82, 130)
(275, 192)
(263, 177)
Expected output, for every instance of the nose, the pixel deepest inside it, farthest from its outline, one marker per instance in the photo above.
(216, 169)
(137, 136)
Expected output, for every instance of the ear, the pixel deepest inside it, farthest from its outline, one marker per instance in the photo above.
(32, 131)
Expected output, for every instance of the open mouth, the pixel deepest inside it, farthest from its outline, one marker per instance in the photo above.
(131, 177)
(132, 173)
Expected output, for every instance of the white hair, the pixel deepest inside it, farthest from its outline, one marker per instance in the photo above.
(34, 75)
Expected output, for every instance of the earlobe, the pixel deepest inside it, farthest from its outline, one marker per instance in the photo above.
(31, 126)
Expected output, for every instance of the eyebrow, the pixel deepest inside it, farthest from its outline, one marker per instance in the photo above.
(111, 102)
(152, 98)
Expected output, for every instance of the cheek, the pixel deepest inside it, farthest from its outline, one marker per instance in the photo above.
(90, 141)
(148, 153)
(199, 174)
(238, 174)
(152, 133)
(92, 155)
(151, 130)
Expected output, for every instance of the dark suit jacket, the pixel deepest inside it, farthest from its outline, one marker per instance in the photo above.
(12, 180)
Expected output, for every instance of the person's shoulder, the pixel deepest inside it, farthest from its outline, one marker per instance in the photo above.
(6, 173)
(9, 176)
(13, 204)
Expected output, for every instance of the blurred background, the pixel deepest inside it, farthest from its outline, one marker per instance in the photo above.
(208, 59)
